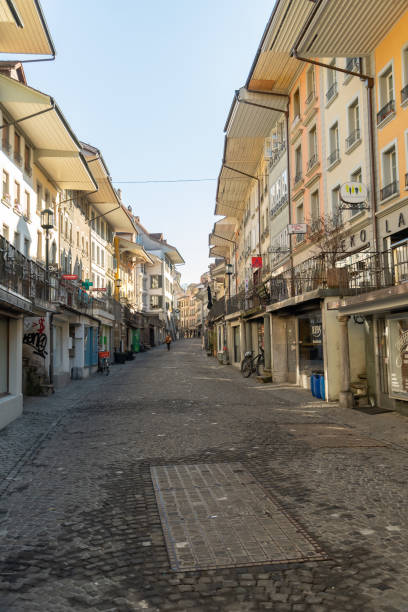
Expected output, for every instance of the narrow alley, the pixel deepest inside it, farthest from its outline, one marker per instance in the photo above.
(110, 496)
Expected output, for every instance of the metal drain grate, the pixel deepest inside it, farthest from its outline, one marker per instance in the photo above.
(218, 515)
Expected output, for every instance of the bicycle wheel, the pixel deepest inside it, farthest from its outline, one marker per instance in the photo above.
(246, 368)
(260, 365)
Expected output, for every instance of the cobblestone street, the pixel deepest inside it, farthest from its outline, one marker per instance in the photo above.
(81, 528)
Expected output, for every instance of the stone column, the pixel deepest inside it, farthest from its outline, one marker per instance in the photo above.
(345, 395)
(267, 342)
(279, 349)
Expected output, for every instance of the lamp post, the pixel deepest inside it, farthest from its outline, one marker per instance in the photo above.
(47, 223)
(228, 271)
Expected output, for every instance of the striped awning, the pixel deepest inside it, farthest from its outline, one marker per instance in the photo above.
(23, 28)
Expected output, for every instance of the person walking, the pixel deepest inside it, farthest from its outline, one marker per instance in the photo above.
(168, 341)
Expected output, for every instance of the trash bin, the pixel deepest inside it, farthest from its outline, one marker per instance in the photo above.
(322, 388)
(315, 384)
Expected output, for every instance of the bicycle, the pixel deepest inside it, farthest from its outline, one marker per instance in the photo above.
(252, 364)
(103, 366)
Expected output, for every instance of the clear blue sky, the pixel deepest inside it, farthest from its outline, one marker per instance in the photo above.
(150, 84)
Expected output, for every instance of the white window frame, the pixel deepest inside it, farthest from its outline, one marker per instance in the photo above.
(384, 150)
(380, 75)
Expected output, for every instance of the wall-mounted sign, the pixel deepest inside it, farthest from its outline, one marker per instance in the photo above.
(353, 193)
(69, 276)
(256, 262)
(97, 289)
(297, 228)
(87, 284)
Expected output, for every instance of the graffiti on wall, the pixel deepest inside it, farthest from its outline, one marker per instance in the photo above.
(36, 338)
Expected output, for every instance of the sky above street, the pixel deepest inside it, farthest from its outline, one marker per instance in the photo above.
(150, 84)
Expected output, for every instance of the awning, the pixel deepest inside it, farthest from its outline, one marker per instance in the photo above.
(223, 232)
(350, 28)
(136, 249)
(253, 115)
(23, 28)
(219, 251)
(105, 201)
(273, 69)
(56, 148)
(173, 254)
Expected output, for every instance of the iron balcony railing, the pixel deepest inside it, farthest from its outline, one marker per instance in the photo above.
(333, 157)
(218, 309)
(280, 204)
(312, 161)
(389, 190)
(20, 274)
(331, 92)
(298, 177)
(404, 94)
(386, 110)
(353, 65)
(354, 137)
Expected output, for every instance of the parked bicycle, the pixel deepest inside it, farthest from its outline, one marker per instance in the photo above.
(252, 364)
(103, 366)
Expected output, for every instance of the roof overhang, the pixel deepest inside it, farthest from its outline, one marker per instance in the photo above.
(273, 69)
(136, 249)
(23, 28)
(349, 28)
(105, 201)
(56, 147)
(219, 251)
(173, 254)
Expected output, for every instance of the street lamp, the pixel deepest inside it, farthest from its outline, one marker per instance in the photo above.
(47, 223)
(228, 271)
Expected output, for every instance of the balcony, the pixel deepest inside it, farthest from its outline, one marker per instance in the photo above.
(21, 275)
(386, 111)
(313, 161)
(276, 155)
(353, 64)
(389, 190)
(280, 204)
(331, 92)
(404, 94)
(353, 139)
(333, 157)
(217, 310)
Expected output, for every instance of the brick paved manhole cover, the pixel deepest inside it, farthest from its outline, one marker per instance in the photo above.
(327, 435)
(218, 515)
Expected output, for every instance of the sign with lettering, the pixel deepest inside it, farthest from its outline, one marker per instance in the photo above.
(297, 228)
(353, 193)
(69, 276)
(256, 262)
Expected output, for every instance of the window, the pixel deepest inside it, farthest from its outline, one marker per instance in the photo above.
(298, 164)
(17, 191)
(102, 230)
(156, 281)
(313, 158)
(331, 83)
(97, 255)
(296, 105)
(39, 196)
(386, 95)
(404, 91)
(311, 87)
(93, 251)
(17, 240)
(17, 148)
(335, 201)
(334, 144)
(353, 124)
(5, 136)
(314, 206)
(156, 301)
(26, 206)
(6, 231)
(77, 238)
(26, 247)
(102, 258)
(6, 187)
(39, 246)
(389, 172)
(47, 199)
(300, 218)
(27, 156)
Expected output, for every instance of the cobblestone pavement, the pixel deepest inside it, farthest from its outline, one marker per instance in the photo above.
(79, 524)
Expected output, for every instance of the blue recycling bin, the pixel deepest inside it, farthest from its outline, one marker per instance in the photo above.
(322, 388)
(315, 385)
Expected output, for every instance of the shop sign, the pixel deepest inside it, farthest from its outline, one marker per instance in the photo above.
(316, 327)
(353, 193)
(69, 276)
(103, 354)
(395, 222)
(97, 289)
(256, 262)
(355, 241)
(297, 228)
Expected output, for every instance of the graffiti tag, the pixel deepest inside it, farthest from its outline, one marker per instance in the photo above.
(38, 341)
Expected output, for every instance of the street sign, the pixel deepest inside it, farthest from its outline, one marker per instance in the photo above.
(104, 354)
(353, 193)
(297, 228)
(256, 262)
(86, 284)
(69, 276)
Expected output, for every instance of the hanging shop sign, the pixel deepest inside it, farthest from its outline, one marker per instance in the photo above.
(69, 276)
(97, 289)
(297, 228)
(316, 329)
(353, 194)
(256, 262)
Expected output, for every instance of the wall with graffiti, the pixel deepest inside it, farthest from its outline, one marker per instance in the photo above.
(36, 353)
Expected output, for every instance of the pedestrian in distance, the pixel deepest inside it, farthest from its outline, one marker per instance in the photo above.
(168, 341)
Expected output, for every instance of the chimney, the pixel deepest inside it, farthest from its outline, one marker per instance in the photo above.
(119, 192)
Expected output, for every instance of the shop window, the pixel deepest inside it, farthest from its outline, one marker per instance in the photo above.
(398, 357)
(310, 342)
